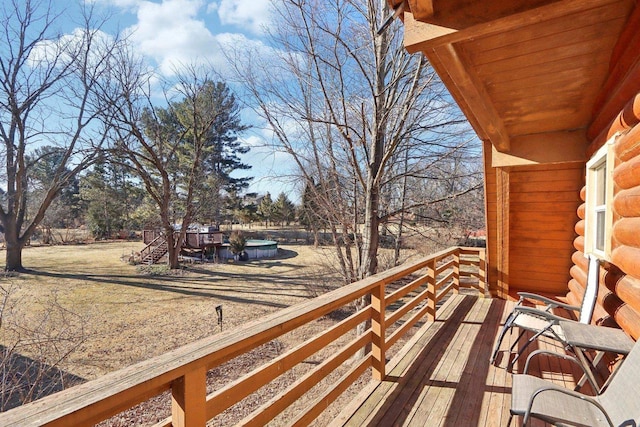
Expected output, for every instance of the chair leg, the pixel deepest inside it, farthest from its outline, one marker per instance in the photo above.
(523, 348)
(506, 327)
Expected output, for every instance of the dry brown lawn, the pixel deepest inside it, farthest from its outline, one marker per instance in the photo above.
(128, 316)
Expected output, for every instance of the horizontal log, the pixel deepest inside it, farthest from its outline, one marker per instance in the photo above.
(628, 290)
(627, 174)
(629, 320)
(625, 90)
(628, 117)
(583, 193)
(626, 231)
(581, 211)
(628, 146)
(579, 227)
(627, 259)
(580, 260)
(627, 202)
(607, 302)
(578, 243)
(579, 275)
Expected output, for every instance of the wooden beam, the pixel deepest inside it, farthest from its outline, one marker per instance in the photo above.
(420, 36)
(543, 148)
(469, 88)
(465, 13)
(503, 236)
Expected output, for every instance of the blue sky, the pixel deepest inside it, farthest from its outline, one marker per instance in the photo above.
(174, 32)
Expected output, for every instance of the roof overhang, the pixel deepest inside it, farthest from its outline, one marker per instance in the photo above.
(528, 74)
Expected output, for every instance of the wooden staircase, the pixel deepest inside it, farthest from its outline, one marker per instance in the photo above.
(155, 250)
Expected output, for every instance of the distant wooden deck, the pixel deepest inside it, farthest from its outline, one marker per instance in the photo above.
(442, 377)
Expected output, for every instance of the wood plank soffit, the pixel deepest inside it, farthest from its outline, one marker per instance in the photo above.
(450, 62)
(543, 148)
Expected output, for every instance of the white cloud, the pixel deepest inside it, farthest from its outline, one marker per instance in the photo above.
(171, 33)
(252, 15)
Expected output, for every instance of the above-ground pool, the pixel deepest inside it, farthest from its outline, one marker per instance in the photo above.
(254, 249)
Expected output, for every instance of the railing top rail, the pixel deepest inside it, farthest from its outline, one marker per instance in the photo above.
(131, 385)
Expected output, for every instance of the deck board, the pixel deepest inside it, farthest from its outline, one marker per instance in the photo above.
(442, 376)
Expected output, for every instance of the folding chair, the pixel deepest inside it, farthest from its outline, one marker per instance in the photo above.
(543, 321)
(618, 405)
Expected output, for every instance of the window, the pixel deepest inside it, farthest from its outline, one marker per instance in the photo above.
(599, 215)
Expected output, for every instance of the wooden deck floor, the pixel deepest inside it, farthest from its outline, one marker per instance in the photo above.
(442, 377)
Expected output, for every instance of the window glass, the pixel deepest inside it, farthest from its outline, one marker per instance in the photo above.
(601, 184)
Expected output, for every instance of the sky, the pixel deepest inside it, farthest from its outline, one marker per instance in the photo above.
(174, 32)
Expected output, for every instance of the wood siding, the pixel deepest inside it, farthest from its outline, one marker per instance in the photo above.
(542, 214)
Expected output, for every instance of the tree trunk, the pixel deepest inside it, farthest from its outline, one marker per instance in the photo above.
(173, 250)
(14, 258)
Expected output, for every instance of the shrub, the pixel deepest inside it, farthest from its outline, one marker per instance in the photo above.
(237, 242)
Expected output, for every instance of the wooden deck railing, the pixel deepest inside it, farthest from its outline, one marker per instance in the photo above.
(183, 371)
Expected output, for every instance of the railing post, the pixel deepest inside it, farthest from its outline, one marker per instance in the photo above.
(378, 326)
(456, 271)
(431, 290)
(482, 272)
(189, 398)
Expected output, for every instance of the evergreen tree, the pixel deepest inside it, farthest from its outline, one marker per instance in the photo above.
(66, 209)
(265, 209)
(110, 196)
(284, 210)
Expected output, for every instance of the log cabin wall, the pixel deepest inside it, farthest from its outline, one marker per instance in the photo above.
(619, 298)
(618, 111)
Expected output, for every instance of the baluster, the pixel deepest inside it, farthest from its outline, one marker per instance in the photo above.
(456, 271)
(378, 327)
(431, 290)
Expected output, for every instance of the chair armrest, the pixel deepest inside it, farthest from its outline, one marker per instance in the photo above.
(571, 393)
(551, 303)
(554, 354)
(538, 313)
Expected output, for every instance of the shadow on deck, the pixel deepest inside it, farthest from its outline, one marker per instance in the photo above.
(442, 377)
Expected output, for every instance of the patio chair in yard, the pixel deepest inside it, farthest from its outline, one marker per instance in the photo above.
(543, 321)
(618, 405)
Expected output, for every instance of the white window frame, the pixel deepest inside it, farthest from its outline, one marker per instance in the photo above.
(603, 158)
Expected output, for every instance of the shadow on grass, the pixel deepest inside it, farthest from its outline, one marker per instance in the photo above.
(215, 284)
(25, 379)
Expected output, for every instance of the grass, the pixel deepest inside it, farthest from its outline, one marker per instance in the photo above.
(128, 316)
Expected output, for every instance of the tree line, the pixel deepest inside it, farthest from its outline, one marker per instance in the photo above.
(87, 128)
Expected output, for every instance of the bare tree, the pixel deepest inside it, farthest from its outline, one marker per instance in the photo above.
(45, 99)
(167, 145)
(36, 343)
(357, 114)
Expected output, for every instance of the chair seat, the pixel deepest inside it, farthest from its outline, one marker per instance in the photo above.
(552, 407)
(535, 323)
